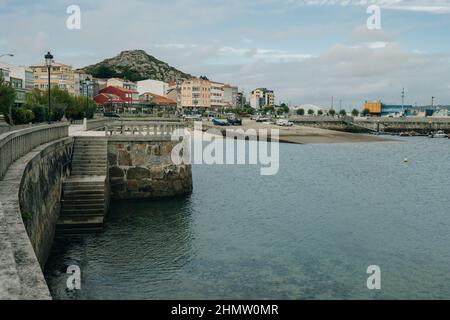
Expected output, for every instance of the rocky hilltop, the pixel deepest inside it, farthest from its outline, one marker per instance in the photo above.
(135, 65)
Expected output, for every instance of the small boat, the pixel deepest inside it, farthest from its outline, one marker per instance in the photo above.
(404, 134)
(220, 122)
(439, 134)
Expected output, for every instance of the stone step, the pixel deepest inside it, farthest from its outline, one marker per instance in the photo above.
(100, 155)
(84, 194)
(89, 172)
(82, 185)
(82, 201)
(79, 224)
(89, 168)
(91, 145)
(83, 212)
(88, 148)
(73, 206)
(87, 161)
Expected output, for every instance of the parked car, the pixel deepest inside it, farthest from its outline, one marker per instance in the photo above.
(220, 122)
(234, 121)
(284, 123)
(111, 115)
(195, 117)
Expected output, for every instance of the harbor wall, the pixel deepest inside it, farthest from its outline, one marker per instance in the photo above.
(144, 169)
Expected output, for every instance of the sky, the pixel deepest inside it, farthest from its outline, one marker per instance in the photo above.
(308, 51)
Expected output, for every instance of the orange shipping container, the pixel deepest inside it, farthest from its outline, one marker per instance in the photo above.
(373, 107)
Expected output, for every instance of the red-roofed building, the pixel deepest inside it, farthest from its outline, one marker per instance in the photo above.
(156, 103)
(130, 98)
(109, 102)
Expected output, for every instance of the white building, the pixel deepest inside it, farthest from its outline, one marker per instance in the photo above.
(153, 86)
(121, 83)
(230, 96)
(20, 78)
(217, 96)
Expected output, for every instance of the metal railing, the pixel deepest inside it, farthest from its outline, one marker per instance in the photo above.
(16, 144)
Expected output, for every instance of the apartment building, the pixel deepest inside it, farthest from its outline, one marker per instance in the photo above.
(217, 96)
(61, 75)
(230, 96)
(20, 78)
(261, 98)
(196, 94)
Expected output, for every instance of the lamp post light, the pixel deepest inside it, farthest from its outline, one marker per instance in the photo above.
(48, 62)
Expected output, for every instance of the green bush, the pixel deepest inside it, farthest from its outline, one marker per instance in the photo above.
(40, 113)
(22, 116)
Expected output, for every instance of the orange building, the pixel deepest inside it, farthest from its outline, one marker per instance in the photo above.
(196, 94)
(373, 107)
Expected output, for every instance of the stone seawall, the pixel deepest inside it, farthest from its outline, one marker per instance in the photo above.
(144, 169)
(29, 206)
(40, 195)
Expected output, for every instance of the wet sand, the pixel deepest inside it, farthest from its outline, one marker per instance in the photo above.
(306, 135)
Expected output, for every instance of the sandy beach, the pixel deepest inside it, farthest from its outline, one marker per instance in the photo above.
(306, 135)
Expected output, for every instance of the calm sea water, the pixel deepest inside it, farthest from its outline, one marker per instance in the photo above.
(309, 232)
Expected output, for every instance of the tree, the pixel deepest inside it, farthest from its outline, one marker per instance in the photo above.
(7, 99)
(365, 112)
(320, 112)
(355, 112)
(301, 112)
(283, 108)
(268, 109)
(204, 78)
(332, 112)
(343, 113)
(310, 112)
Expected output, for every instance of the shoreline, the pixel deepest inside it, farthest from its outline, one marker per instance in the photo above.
(304, 135)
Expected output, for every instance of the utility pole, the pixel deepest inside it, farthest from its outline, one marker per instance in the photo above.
(432, 102)
(403, 100)
(332, 102)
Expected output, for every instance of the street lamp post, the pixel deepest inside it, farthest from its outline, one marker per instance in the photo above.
(48, 62)
(87, 82)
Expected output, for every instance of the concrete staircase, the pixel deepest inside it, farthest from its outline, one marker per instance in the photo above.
(85, 198)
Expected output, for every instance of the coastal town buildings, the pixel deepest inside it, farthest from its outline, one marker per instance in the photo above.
(122, 83)
(217, 96)
(154, 86)
(61, 75)
(154, 103)
(261, 98)
(21, 79)
(128, 99)
(230, 96)
(196, 95)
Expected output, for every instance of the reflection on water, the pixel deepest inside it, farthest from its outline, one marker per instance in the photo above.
(309, 232)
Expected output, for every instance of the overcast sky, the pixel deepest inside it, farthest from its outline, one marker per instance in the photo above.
(306, 50)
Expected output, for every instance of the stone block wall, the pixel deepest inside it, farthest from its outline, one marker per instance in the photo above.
(144, 169)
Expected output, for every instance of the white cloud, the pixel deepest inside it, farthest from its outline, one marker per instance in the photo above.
(430, 6)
